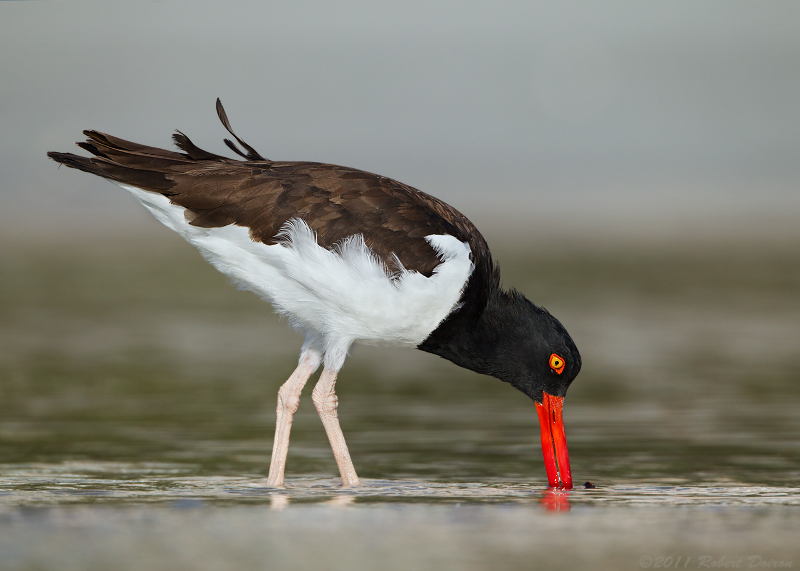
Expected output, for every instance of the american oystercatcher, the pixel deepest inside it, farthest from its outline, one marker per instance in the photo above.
(346, 255)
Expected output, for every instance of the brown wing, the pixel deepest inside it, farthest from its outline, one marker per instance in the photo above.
(336, 202)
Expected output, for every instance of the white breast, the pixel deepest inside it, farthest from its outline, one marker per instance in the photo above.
(341, 295)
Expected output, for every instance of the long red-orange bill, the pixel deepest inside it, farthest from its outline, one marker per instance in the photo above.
(554, 442)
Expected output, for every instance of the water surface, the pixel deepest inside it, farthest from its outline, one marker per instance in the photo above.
(137, 412)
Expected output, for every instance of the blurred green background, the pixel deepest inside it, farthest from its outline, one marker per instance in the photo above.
(137, 350)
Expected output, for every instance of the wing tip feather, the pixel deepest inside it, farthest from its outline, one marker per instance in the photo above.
(251, 154)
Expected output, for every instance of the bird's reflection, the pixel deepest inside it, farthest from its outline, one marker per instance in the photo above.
(555, 500)
(279, 502)
(552, 499)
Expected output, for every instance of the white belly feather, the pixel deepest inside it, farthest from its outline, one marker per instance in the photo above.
(338, 296)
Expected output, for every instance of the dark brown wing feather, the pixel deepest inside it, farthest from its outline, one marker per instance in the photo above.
(262, 195)
(336, 202)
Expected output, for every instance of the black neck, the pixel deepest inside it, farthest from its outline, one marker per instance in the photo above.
(502, 334)
(480, 339)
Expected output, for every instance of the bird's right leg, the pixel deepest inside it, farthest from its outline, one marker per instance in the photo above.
(326, 402)
(288, 401)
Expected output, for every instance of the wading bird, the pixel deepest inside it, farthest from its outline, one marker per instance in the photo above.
(346, 255)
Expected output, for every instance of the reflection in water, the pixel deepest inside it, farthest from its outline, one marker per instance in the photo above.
(341, 501)
(118, 483)
(279, 501)
(555, 500)
(389, 536)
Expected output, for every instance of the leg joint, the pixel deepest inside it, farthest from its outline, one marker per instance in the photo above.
(325, 399)
(288, 400)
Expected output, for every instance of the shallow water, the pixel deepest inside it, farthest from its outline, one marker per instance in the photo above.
(138, 396)
(119, 483)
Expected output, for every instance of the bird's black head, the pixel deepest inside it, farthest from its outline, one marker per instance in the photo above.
(514, 341)
(535, 353)
(538, 357)
(524, 345)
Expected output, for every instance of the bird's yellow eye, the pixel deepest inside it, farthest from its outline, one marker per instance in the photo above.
(557, 363)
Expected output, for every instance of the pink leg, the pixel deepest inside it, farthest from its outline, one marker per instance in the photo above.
(288, 401)
(326, 402)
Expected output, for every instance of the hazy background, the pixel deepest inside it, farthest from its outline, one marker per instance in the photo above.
(637, 119)
(634, 166)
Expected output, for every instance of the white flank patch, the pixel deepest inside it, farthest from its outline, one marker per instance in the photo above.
(334, 296)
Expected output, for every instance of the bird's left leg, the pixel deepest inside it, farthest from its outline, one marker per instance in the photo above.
(326, 402)
(288, 401)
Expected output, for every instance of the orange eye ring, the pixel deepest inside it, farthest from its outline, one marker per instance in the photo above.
(557, 363)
